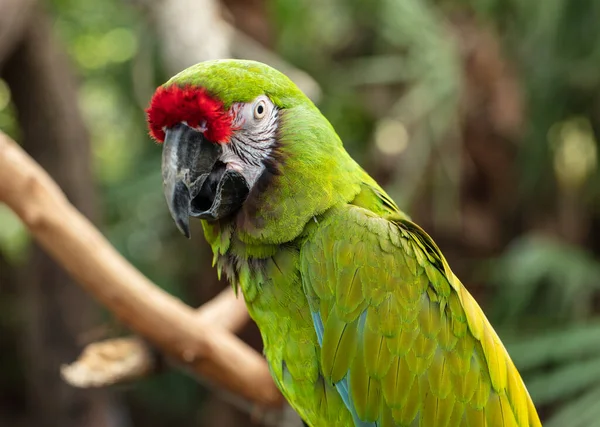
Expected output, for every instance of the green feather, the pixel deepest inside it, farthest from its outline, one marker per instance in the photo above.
(339, 346)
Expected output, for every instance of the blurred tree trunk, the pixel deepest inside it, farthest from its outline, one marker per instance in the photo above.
(58, 311)
(12, 391)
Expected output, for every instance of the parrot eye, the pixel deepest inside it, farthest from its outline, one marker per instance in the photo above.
(260, 109)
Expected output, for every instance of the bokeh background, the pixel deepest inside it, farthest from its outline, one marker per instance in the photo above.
(481, 118)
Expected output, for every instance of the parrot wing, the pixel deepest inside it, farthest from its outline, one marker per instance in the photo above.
(401, 339)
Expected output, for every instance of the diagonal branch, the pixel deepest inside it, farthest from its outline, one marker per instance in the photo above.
(166, 322)
(119, 360)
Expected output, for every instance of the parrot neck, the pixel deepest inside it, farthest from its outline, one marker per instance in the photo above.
(311, 172)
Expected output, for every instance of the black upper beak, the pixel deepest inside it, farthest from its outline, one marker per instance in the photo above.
(195, 182)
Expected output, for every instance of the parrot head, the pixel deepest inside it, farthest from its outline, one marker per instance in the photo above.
(228, 129)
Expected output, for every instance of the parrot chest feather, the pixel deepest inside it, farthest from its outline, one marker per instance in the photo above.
(276, 302)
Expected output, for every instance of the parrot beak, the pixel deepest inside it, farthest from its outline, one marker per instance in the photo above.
(195, 182)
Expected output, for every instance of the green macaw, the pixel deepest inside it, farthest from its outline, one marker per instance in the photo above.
(363, 322)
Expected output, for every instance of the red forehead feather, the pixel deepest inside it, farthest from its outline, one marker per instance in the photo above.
(174, 104)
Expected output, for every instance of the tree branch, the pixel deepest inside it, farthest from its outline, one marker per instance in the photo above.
(110, 362)
(225, 311)
(120, 360)
(166, 322)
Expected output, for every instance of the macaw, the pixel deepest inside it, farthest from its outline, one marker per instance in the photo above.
(363, 322)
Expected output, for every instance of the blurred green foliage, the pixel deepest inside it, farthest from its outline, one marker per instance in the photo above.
(393, 80)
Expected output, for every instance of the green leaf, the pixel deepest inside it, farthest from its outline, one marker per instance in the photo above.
(564, 382)
(556, 347)
(581, 412)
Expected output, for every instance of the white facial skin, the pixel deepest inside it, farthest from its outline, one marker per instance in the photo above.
(255, 125)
